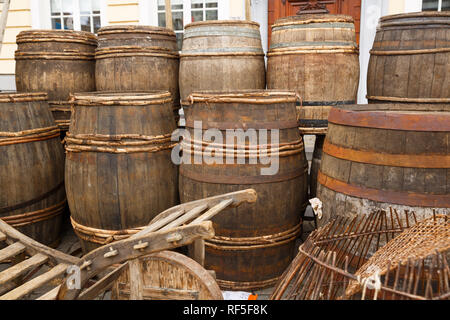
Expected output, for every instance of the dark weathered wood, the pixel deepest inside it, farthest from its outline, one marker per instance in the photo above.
(127, 184)
(137, 58)
(59, 62)
(312, 54)
(249, 238)
(410, 59)
(374, 157)
(221, 55)
(315, 165)
(31, 167)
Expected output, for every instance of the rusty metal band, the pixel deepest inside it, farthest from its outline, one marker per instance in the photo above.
(236, 285)
(32, 201)
(102, 236)
(41, 134)
(408, 52)
(22, 97)
(426, 122)
(53, 56)
(233, 125)
(36, 216)
(425, 161)
(409, 100)
(385, 196)
(242, 180)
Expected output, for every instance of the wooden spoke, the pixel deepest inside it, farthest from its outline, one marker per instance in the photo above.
(11, 251)
(22, 267)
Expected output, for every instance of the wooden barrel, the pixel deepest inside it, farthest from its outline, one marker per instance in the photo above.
(32, 196)
(59, 62)
(389, 157)
(137, 58)
(410, 59)
(315, 55)
(119, 173)
(221, 55)
(315, 165)
(253, 243)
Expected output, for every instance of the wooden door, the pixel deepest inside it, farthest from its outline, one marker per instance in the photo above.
(284, 8)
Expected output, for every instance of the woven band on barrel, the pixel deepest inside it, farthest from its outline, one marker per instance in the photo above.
(310, 50)
(122, 144)
(35, 216)
(53, 55)
(314, 20)
(39, 134)
(133, 51)
(102, 236)
(269, 97)
(22, 97)
(46, 36)
(124, 100)
(238, 286)
(408, 52)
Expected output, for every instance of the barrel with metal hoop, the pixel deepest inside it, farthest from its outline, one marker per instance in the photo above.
(315, 55)
(253, 244)
(221, 55)
(119, 173)
(138, 58)
(389, 157)
(410, 59)
(31, 171)
(58, 62)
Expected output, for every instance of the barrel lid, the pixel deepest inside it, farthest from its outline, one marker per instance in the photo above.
(223, 23)
(242, 96)
(56, 35)
(425, 16)
(313, 18)
(121, 98)
(135, 29)
(11, 96)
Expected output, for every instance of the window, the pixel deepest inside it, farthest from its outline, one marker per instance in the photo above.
(436, 5)
(78, 15)
(187, 11)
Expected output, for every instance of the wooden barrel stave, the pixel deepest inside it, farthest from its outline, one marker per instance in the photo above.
(31, 171)
(113, 190)
(385, 162)
(249, 236)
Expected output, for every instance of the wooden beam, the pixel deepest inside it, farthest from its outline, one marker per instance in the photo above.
(22, 268)
(169, 22)
(11, 251)
(248, 10)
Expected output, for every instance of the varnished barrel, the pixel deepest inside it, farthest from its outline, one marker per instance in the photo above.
(119, 173)
(59, 62)
(410, 59)
(389, 157)
(315, 55)
(254, 243)
(221, 55)
(32, 197)
(137, 58)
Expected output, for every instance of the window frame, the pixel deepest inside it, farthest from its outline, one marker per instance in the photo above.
(417, 6)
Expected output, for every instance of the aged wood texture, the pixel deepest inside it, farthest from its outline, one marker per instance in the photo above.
(253, 243)
(119, 172)
(315, 165)
(382, 156)
(410, 59)
(312, 54)
(32, 196)
(221, 55)
(137, 58)
(169, 275)
(59, 62)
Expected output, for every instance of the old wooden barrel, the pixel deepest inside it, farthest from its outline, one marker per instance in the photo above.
(410, 59)
(137, 58)
(119, 173)
(389, 157)
(253, 243)
(315, 55)
(59, 62)
(315, 165)
(32, 197)
(221, 55)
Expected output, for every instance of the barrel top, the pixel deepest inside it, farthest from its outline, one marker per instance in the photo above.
(6, 97)
(242, 96)
(411, 117)
(121, 98)
(242, 23)
(135, 29)
(313, 18)
(427, 15)
(62, 35)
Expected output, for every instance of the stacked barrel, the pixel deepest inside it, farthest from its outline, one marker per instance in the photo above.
(315, 55)
(394, 153)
